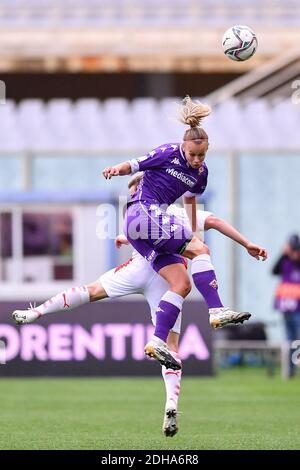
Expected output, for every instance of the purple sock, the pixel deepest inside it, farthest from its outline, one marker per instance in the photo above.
(207, 285)
(166, 314)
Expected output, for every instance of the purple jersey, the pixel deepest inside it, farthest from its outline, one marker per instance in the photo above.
(167, 175)
(289, 270)
(287, 296)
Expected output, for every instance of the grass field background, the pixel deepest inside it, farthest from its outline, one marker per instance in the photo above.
(239, 409)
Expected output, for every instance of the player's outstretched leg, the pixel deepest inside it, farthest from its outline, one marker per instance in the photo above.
(219, 317)
(206, 282)
(67, 300)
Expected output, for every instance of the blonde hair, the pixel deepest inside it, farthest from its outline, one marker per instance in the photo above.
(135, 180)
(192, 113)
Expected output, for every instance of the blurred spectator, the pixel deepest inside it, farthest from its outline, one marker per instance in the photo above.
(287, 296)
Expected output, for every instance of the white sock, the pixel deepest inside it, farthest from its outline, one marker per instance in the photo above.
(172, 379)
(201, 263)
(158, 341)
(66, 300)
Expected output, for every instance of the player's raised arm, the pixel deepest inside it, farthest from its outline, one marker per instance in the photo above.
(118, 170)
(228, 230)
(151, 160)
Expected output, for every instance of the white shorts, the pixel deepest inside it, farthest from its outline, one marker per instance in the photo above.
(136, 276)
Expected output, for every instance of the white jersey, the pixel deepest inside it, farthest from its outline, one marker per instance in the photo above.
(137, 276)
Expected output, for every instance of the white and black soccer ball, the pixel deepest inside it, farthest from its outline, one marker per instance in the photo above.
(239, 43)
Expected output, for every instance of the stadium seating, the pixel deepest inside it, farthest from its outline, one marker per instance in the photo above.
(158, 12)
(119, 125)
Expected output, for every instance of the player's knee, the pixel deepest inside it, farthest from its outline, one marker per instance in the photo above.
(184, 287)
(96, 291)
(93, 291)
(203, 250)
(196, 248)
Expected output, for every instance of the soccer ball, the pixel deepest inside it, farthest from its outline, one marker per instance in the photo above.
(239, 43)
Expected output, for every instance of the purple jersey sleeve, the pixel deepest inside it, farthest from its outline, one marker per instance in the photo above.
(150, 161)
(200, 186)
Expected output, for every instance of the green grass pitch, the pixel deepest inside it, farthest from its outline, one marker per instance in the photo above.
(238, 409)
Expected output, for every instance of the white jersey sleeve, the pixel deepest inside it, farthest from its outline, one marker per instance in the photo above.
(181, 214)
(201, 218)
(178, 212)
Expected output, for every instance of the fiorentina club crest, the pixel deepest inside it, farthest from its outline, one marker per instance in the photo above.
(201, 169)
(214, 284)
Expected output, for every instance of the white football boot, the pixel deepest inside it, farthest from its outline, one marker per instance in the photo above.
(157, 349)
(219, 317)
(22, 317)
(170, 425)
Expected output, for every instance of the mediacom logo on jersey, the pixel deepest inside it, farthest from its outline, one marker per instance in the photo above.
(180, 176)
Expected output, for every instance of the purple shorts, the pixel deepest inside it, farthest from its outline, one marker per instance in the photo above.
(165, 260)
(153, 232)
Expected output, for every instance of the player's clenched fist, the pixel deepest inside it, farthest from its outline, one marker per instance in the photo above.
(257, 252)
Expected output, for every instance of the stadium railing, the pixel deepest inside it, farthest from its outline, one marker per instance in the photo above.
(271, 350)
